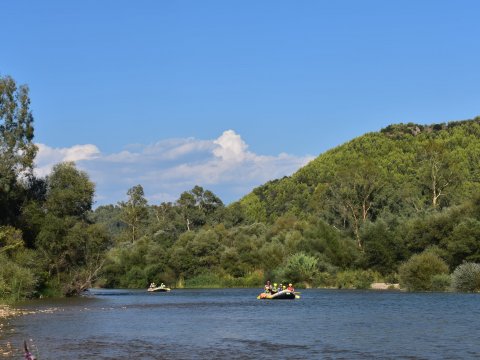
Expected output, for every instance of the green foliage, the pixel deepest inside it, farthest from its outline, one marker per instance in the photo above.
(69, 192)
(198, 206)
(379, 172)
(72, 249)
(16, 282)
(254, 209)
(440, 171)
(205, 280)
(463, 243)
(17, 150)
(17, 266)
(382, 251)
(418, 272)
(11, 240)
(466, 277)
(136, 265)
(441, 282)
(299, 268)
(364, 206)
(356, 279)
(350, 216)
(196, 252)
(215, 281)
(110, 217)
(134, 211)
(326, 280)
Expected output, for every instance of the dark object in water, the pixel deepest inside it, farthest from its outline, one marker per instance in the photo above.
(28, 355)
(158, 289)
(281, 295)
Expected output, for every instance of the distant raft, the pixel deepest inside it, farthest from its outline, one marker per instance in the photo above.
(158, 289)
(281, 295)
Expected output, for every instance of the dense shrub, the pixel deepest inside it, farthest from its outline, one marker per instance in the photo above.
(417, 274)
(213, 280)
(299, 268)
(441, 282)
(466, 278)
(206, 280)
(325, 280)
(356, 279)
(16, 282)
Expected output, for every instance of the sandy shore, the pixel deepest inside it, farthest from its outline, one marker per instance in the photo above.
(385, 286)
(7, 311)
(6, 349)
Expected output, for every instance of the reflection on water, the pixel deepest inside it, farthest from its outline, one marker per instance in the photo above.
(233, 324)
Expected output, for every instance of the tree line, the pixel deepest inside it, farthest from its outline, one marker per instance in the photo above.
(398, 205)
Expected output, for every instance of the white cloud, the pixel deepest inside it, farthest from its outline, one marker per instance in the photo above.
(231, 147)
(47, 156)
(169, 167)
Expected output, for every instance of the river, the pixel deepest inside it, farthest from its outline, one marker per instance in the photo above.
(233, 324)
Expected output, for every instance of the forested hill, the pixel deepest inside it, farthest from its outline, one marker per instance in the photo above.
(402, 170)
(396, 205)
(401, 204)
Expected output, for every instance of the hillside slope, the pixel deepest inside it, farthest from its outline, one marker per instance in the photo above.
(402, 169)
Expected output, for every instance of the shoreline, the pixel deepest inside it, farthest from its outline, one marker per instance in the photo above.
(384, 286)
(7, 311)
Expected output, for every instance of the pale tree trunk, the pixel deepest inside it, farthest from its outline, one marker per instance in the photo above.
(437, 188)
(356, 226)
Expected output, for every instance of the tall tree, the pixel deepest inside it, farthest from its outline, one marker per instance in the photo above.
(439, 172)
(72, 247)
(69, 192)
(134, 210)
(17, 150)
(197, 205)
(16, 130)
(352, 193)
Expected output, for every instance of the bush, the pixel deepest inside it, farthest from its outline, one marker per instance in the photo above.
(16, 282)
(356, 279)
(253, 279)
(212, 280)
(135, 278)
(466, 278)
(206, 281)
(299, 268)
(325, 280)
(417, 274)
(441, 282)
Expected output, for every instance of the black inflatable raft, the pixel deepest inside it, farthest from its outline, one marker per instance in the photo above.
(281, 295)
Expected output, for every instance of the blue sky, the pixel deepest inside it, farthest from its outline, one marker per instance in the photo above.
(230, 94)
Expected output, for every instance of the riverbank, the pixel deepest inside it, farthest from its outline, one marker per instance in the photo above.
(7, 311)
(384, 286)
(6, 350)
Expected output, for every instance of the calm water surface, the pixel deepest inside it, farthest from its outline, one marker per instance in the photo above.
(233, 324)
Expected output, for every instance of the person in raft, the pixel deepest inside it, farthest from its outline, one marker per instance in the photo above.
(275, 288)
(268, 287)
(290, 288)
